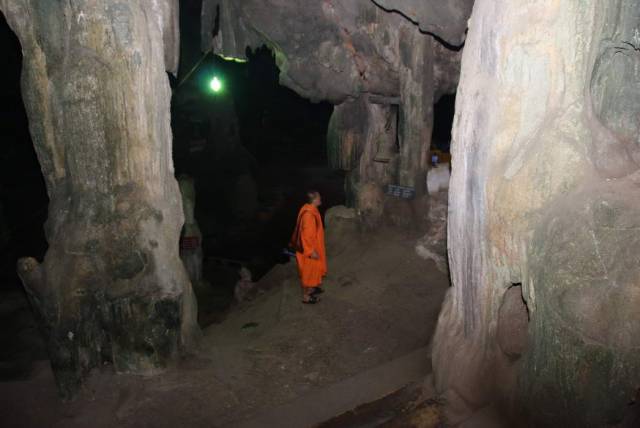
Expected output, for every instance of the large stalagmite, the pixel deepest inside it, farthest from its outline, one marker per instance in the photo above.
(545, 204)
(111, 287)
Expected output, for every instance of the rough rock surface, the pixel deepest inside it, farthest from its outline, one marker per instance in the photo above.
(446, 19)
(112, 286)
(191, 236)
(438, 179)
(371, 59)
(433, 245)
(544, 193)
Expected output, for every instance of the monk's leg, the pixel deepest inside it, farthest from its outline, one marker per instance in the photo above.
(307, 294)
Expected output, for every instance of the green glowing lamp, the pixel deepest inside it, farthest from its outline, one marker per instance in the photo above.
(216, 84)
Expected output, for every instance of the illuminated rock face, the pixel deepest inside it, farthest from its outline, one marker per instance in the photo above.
(370, 59)
(112, 286)
(545, 193)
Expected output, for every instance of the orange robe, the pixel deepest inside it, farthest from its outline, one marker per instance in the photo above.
(312, 238)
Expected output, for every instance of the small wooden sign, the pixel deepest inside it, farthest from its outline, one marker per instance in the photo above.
(402, 192)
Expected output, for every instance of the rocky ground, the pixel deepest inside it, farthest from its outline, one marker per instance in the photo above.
(22, 343)
(381, 303)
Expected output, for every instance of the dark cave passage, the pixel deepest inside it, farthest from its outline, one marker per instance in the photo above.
(253, 149)
(23, 196)
(23, 211)
(443, 112)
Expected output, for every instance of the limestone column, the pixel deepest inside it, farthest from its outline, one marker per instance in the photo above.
(112, 286)
(544, 200)
(416, 108)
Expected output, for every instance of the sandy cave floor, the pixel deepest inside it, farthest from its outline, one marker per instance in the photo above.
(381, 303)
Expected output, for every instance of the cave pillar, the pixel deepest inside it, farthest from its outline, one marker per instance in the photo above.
(362, 141)
(417, 89)
(544, 202)
(345, 143)
(111, 286)
(415, 125)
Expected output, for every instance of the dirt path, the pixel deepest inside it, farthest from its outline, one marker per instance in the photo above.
(325, 403)
(381, 304)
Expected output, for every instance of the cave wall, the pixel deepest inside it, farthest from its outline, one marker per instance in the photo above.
(545, 199)
(357, 55)
(111, 286)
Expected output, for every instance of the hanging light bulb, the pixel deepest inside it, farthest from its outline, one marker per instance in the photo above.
(215, 84)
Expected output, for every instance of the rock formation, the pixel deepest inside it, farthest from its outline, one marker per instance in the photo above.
(190, 237)
(545, 204)
(112, 286)
(373, 60)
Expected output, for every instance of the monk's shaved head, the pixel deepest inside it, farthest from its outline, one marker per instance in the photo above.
(313, 197)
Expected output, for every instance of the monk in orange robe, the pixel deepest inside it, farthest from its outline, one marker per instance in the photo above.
(308, 241)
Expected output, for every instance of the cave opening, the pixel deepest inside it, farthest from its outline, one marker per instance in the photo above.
(439, 174)
(251, 148)
(443, 113)
(23, 212)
